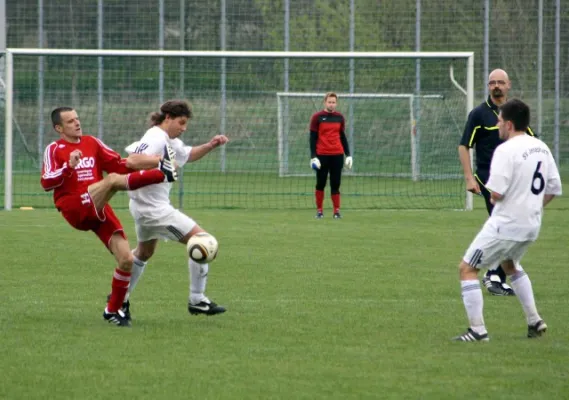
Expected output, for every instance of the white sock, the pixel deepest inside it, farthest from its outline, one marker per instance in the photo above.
(198, 281)
(473, 303)
(137, 270)
(524, 292)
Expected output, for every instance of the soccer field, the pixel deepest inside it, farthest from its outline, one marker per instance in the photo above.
(358, 308)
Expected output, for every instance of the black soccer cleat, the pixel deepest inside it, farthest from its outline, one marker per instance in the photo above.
(537, 330)
(205, 308)
(471, 336)
(117, 319)
(319, 215)
(167, 164)
(125, 307)
(497, 288)
(337, 215)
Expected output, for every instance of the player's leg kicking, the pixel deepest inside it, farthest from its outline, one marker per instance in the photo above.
(109, 229)
(176, 226)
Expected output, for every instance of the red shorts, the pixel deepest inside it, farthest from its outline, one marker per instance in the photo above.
(79, 211)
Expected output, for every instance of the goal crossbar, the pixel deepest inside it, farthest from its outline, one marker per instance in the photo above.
(237, 54)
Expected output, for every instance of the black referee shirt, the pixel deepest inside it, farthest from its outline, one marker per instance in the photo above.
(481, 132)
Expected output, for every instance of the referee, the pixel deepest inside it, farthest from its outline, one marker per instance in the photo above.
(481, 133)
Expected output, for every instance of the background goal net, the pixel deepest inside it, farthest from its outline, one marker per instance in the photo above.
(404, 113)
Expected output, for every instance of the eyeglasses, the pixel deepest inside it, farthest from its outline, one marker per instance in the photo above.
(493, 83)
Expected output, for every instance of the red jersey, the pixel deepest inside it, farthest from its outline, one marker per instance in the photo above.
(96, 159)
(329, 126)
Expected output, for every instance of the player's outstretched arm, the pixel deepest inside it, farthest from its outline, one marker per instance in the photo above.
(198, 152)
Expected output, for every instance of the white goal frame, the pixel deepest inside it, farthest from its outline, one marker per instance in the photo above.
(223, 55)
(283, 139)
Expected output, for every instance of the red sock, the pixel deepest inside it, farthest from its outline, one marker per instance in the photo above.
(336, 202)
(138, 179)
(121, 280)
(319, 194)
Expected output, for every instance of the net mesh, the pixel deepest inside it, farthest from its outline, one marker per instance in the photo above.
(248, 172)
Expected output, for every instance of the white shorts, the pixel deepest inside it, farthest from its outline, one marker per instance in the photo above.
(174, 226)
(486, 250)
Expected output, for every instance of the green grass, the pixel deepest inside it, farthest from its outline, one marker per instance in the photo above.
(361, 308)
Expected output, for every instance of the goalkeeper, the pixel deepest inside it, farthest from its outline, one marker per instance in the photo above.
(328, 145)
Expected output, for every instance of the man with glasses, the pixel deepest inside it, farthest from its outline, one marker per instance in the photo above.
(481, 132)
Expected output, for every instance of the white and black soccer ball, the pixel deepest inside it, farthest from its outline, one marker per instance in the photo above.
(202, 247)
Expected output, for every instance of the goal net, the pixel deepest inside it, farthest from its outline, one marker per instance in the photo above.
(404, 116)
(383, 132)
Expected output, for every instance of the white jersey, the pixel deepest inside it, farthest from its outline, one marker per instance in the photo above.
(522, 171)
(153, 201)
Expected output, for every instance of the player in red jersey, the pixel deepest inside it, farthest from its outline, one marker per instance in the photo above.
(73, 168)
(328, 144)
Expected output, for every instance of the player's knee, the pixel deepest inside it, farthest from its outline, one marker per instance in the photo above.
(509, 267)
(125, 261)
(144, 254)
(467, 272)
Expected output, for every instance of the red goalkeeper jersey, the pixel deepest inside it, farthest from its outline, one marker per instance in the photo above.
(329, 127)
(65, 181)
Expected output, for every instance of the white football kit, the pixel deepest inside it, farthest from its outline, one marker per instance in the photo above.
(150, 206)
(523, 170)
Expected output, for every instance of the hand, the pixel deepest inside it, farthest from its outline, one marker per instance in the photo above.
(472, 186)
(315, 163)
(348, 162)
(218, 140)
(74, 158)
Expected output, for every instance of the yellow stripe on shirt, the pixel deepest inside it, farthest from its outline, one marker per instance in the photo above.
(471, 141)
(531, 132)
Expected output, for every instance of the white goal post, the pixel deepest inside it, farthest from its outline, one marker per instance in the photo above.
(467, 57)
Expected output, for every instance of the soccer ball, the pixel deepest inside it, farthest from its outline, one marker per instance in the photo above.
(202, 248)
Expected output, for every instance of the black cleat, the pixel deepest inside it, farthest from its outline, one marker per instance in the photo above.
(205, 308)
(125, 307)
(337, 215)
(471, 336)
(496, 288)
(319, 215)
(537, 330)
(117, 319)
(167, 164)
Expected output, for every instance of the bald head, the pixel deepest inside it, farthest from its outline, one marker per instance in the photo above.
(499, 86)
(498, 74)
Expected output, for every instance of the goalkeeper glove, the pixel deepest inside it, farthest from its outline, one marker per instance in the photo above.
(348, 163)
(315, 163)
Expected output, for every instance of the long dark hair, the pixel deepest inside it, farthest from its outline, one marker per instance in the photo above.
(172, 108)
